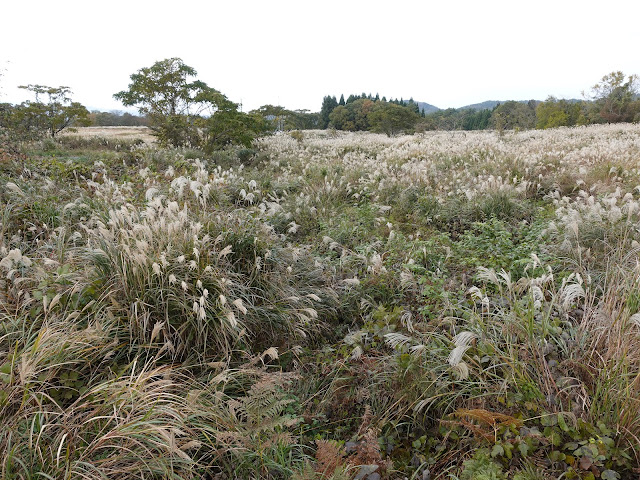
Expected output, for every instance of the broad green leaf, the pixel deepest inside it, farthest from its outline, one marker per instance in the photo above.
(497, 450)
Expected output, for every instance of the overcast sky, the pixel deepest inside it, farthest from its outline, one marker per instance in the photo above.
(293, 53)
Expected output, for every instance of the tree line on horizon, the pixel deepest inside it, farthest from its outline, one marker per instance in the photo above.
(615, 99)
(183, 111)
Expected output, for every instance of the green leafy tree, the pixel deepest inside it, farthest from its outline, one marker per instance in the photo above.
(228, 126)
(391, 119)
(353, 116)
(186, 112)
(558, 113)
(165, 93)
(341, 118)
(51, 112)
(360, 112)
(275, 116)
(616, 98)
(514, 115)
(448, 119)
(12, 131)
(303, 120)
(454, 119)
(22, 123)
(279, 118)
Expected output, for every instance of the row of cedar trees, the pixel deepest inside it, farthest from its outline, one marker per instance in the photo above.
(329, 104)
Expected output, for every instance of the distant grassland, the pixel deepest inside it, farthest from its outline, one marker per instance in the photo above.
(123, 133)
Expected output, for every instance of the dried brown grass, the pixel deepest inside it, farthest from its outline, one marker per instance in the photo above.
(124, 133)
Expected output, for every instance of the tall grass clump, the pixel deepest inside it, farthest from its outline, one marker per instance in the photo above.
(532, 355)
(197, 282)
(79, 400)
(144, 423)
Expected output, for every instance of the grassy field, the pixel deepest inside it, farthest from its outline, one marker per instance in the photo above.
(114, 133)
(324, 305)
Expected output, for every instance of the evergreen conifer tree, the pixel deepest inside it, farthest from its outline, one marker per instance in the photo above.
(328, 104)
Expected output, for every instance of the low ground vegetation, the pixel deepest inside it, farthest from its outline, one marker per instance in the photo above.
(323, 305)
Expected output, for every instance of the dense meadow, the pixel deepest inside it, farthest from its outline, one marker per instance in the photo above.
(323, 305)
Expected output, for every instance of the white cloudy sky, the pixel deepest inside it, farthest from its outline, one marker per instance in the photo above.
(447, 53)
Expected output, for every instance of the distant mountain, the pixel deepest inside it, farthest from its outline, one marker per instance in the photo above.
(427, 107)
(488, 104)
